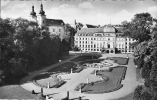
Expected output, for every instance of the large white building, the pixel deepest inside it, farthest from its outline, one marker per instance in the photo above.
(56, 26)
(107, 39)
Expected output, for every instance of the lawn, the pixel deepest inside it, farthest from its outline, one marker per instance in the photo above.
(113, 84)
(43, 79)
(85, 57)
(15, 92)
(64, 68)
(119, 60)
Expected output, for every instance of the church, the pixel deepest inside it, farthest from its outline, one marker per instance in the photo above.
(56, 26)
(103, 39)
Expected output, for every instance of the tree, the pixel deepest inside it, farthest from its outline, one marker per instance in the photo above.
(139, 27)
(26, 47)
(79, 26)
(69, 35)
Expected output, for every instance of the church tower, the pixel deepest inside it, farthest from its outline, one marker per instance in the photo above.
(33, 16)
(41, 16)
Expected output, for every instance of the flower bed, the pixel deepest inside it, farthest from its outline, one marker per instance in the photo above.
(98, 92)
(52, 79)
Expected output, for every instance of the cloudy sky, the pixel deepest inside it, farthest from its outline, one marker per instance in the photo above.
(96, 12)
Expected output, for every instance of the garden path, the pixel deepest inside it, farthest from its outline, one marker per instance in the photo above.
(74, 79)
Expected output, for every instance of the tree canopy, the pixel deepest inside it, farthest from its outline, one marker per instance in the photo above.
(143, 28)
(139, 28)
(25, 47)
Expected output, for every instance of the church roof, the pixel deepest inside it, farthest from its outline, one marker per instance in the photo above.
(53, 22)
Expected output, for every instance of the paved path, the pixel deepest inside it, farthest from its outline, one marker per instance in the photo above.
(74, 79)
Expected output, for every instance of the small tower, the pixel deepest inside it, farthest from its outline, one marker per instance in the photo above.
(33, 16)
(41, 16)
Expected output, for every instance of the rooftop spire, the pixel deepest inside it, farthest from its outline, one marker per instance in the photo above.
(33, 13)
(41, 9)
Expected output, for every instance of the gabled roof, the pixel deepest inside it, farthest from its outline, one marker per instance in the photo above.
(54, 22)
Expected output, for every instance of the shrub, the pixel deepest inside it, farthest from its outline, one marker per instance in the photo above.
(110, 69)
(60, 83)
(135, 62)
(80, 85)
(137, 93)
(145, 96)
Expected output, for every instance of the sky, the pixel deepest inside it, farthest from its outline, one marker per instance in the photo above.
(95, 12)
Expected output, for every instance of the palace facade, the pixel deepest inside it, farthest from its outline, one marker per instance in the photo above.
(106, 39)
(56, 26)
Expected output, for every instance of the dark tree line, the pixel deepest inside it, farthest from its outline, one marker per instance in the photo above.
(143, 28)
(25, 47)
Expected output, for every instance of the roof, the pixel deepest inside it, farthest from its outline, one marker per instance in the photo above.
(119, 29)
(91, 26)
(109, 29)
(106, 29)
(54, 22)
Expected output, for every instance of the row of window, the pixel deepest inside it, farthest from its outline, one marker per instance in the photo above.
(86, 49)
(54, 30)
(94, 38)
(91, 42)
(102, 46)
(118, 39)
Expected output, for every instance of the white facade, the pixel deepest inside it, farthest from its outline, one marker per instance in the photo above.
(56, 29)
(105, 39)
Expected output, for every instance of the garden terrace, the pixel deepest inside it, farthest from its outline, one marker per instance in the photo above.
(112, 84)
(51, 76)
(119, 60)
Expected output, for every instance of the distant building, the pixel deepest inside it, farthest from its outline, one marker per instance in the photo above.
(56, 26)
(105, 39)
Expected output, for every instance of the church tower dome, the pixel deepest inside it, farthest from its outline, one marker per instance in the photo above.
(33, 13)
(41, 10)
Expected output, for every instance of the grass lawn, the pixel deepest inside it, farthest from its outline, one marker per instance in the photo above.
(12, 90)
(111, 85)
(15, 92)
(64, 68)
(43, 80)
(119, 60)
(84, 57)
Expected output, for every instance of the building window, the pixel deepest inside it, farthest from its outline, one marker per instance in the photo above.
(59, 30)
(53, 29)
(108, 38)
